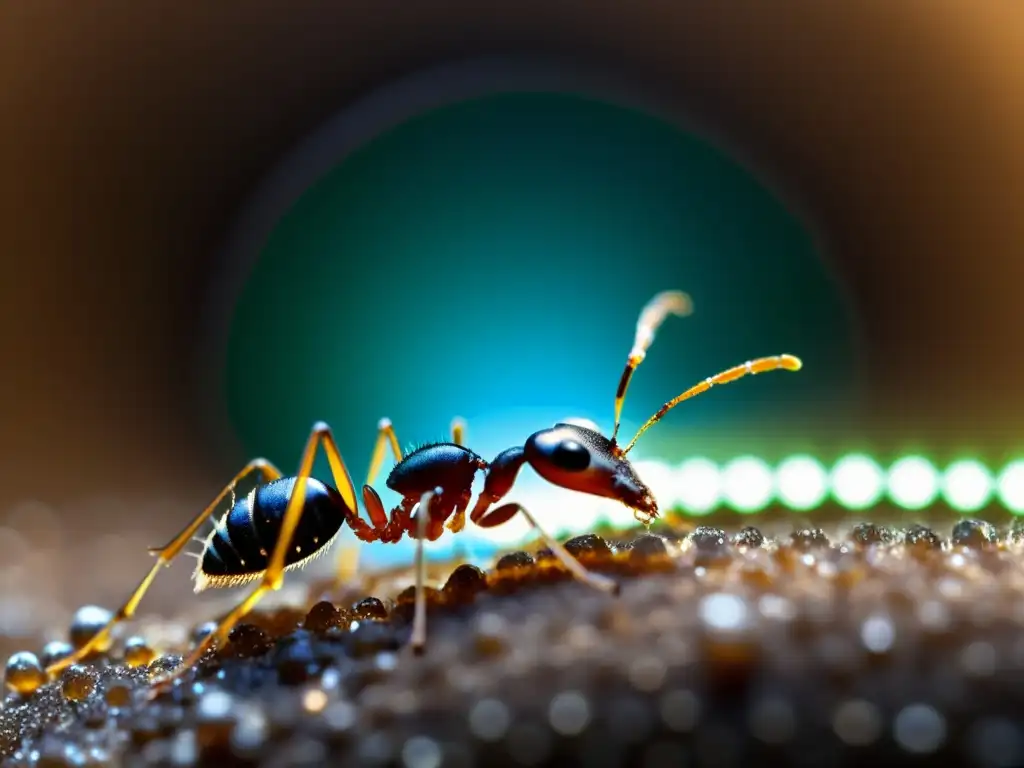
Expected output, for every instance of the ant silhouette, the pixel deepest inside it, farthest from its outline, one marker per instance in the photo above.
(285, 522)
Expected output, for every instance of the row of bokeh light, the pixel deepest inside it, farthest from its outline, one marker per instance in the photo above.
(749, 484)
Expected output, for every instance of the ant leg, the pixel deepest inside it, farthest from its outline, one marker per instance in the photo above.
(501, 476)
(164, 555)
(506, 511)
(347, 564)
(458, 431)
(385, 437)
(419, 621)
(348, 555)
(273, 576)
(458, 521)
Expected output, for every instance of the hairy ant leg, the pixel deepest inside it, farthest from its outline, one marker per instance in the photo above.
(165, 555)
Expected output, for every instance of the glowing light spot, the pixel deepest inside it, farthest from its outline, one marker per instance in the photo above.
(724, 612)
(748, 484)
(314, 700)
(698, 486)
(1011, 486)
(802, 482)
(967, 485)
(913, 482)
(857, 481)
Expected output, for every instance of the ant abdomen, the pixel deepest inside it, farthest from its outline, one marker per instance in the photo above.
(239, 549)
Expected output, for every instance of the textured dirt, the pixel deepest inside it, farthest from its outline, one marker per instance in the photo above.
(877, 645)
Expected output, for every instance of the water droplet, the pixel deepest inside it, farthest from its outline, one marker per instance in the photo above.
(979, 659)
(340, 716)
(776, 608)
(867, 534)
(78, 683)
(184, 749)
(421, 752)
(588, 545)
(137, 652)
(647, 673)
(54, 651)
(24, 674)
(514, 560)
(921, 538)
(974, 534)
(87, 621)
(724, 612)
(489, 719)
(215, 705)
(314, 700)
(878, 634)
(647, 546)
(322, 617)
(569, 713)
(118, 694)
(919, 729)
(250, 731)
(749, 537)
(809, 538)
(370, 609)
(857, 722)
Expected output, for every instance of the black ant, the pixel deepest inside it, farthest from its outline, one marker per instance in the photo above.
(284, 522)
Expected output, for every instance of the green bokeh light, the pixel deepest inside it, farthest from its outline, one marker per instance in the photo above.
(857, 481)
(913, 482)
(1011, 486)
(967, 485)
(802, 482)
(747, 484)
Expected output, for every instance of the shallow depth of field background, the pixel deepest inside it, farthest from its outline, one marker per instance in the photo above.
(837, 182)
(489, 259)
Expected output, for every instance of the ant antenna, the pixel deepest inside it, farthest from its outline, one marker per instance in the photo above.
(751, 367)
(651, 317)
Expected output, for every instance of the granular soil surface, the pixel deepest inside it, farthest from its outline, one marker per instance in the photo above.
(877, 645)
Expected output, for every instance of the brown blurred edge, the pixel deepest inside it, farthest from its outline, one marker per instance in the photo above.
(130, 135)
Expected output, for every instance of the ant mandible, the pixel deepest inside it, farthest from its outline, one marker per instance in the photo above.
(285, 522)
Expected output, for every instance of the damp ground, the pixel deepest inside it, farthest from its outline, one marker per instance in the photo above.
(726, 647)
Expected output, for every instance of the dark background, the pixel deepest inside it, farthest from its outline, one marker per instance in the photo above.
(131, 137)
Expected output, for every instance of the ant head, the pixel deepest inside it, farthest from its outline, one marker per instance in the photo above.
(580, 459)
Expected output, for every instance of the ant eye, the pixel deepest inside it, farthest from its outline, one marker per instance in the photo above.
(570, 456)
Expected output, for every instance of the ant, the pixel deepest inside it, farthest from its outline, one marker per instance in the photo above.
(285, 522)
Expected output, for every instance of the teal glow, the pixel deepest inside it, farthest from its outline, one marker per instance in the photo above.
(488, 260)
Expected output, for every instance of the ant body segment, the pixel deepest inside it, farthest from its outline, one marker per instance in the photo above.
(285, 522)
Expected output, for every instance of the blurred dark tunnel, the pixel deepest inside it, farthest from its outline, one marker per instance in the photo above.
(131, 136)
